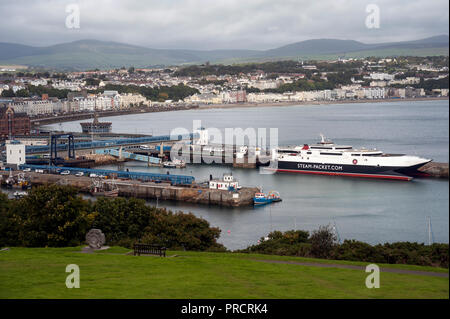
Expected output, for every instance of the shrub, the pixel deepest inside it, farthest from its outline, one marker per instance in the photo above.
(56, 216)
(321, 244)
(52, 216)
(322, 241)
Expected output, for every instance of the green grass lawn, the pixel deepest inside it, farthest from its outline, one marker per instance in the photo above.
(40, 273)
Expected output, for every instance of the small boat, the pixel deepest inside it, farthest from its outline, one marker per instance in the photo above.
(175, 164)
(111, 193)
(263, 199)
(169, 165)
(19, 195)
(100, 188)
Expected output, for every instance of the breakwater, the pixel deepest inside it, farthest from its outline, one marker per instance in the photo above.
(434, 169)
(193, 193)
(45, 120)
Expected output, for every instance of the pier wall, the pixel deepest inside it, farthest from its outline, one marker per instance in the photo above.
(148, 190)
(434, 169)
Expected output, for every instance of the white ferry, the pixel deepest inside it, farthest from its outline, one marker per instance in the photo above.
(327, 158)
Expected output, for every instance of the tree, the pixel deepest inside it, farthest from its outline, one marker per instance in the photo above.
(163, 96)
(92, 82)
(52, 216)
(8, 93)
(22, 93)
(56, 216)
(322, 241)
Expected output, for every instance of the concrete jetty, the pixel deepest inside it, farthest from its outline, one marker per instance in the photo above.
(194, 193)
(434, 169)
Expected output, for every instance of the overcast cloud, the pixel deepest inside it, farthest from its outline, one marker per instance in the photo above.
(219, 24)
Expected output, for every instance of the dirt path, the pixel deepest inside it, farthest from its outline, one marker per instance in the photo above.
(391, 270)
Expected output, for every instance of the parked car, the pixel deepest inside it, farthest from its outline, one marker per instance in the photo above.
(27, 169)
(79, 174)
(93, 175)
(39, 171)
(65, 173)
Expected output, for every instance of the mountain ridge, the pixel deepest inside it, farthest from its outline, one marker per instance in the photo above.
(91, 53)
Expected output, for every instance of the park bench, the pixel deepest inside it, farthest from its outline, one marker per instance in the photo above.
(149, 249)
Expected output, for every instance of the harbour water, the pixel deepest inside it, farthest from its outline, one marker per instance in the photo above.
(373, 211)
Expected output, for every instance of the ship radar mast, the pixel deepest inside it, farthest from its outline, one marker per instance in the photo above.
(324, 140)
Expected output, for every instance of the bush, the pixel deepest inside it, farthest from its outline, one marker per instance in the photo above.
(290, 243)
(49, 216)
(322, 244)
(56, 216)
(323, 241)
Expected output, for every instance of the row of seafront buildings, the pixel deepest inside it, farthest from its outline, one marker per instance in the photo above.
(351, 92)
(77, 102)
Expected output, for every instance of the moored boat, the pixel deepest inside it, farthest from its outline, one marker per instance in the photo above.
(263, 199)
(327, 158)
(111, 193)
(175, 164)
(18, 194)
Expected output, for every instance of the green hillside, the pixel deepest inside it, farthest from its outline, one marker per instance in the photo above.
(91, 54)
(40, 273)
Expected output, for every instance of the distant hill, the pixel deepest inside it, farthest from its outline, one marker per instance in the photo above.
(90, 54)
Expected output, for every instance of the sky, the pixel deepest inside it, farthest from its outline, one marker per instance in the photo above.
(219, 24)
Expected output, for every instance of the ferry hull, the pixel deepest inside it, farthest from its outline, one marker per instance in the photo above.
(395, 173)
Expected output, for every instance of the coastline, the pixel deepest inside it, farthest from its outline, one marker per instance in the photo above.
(37, 122)
(308, 103)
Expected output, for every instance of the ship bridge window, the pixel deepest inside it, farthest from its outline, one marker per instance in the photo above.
(308, 152)
(320, 148)
(331, 154)
(376, 154)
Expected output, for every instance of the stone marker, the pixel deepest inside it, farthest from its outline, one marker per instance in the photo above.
(95, 238)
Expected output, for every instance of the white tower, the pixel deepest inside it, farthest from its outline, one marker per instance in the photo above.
(203, 136)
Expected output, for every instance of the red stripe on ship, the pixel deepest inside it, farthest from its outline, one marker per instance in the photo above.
(402, 178)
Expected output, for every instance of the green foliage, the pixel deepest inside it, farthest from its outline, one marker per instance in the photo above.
(48, 216)
(433, 84)
(321, 244)
(176, 92)
(273, 67)
(322, 241)
(22, 93)
(122, 220)
(290, 243)
(92, 81)
(8, 93)
(32, 90)
(56, 216)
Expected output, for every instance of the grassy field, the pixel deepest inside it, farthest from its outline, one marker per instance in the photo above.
(40, 273)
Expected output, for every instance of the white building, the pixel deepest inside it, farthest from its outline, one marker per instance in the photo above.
(130, 99)
(87, 104)
(33, 108)
(225, 183)
(382, 76)
(264, 84)
(15, 154)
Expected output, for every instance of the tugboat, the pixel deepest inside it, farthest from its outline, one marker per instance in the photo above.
(263, 199)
